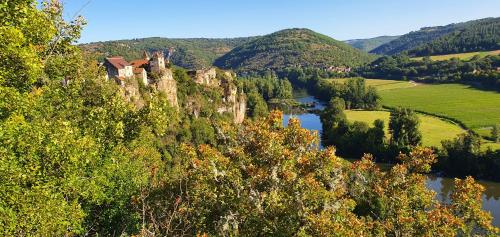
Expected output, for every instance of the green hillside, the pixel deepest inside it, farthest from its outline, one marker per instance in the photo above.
(369, 44)
(468, 36)
(292, 48)
(482, 35)
(189, 53)
(461, 56)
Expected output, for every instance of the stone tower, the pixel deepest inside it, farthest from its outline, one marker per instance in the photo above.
(145, 55)
(157, 62)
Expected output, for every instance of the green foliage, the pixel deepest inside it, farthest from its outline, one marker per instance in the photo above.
(481, 35)
(351, 139)
(454, 38)
(462, 156)
(354, 91)
(291, 48)
(189, 53)
(257, 106)
(403, 126)
(77, 158)
(495, 133)
(368, 45)
(477, 70)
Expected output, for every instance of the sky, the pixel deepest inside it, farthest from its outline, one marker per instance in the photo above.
(340, 19)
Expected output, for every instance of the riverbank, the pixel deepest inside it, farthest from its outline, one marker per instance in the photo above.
(441, 185)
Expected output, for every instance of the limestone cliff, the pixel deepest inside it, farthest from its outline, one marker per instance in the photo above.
(131, 93)
(167, 85)
(233, 102)
(205, 77)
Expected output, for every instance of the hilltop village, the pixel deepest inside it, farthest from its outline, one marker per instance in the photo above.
(155, 73)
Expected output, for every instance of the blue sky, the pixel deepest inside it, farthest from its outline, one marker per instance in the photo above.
(340, 19)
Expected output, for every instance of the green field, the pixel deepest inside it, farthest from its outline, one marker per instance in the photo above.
(433, 129)
(381, 84)
(462, 56)
(477, 109)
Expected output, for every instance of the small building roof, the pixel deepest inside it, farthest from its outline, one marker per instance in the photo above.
(139, 63)
(118, 62)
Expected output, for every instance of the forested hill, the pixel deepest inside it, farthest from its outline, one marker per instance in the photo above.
(483, 34)
(292, 48)
(189, 53)
(369, 44)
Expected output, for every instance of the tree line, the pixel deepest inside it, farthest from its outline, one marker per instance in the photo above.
(476, 71)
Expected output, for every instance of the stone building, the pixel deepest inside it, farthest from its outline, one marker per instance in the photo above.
(118, 69)
(157, 62)
(141, 74)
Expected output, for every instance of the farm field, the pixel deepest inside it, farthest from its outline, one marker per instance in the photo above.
(433, 129)
(475, 108)
(462, 56)
(381, 84)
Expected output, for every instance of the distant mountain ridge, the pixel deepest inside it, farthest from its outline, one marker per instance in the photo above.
(482, 34)
(189, 53)
(370, 43)
(292, 48)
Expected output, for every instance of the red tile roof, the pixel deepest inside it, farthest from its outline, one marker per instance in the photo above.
(118, 62)
(138, 70)
(139, 62)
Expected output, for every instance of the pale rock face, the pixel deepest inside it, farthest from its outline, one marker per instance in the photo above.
(168, 85)
(235, 102)
(240, 109)
(206, 77)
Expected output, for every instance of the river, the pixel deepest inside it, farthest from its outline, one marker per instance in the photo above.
(441, 185)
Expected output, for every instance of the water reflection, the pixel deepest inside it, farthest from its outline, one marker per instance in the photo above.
(442, 186)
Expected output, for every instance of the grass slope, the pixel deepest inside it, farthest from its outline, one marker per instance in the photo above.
(433, 129)
(475, 108)
(461, 56)
(292, 48)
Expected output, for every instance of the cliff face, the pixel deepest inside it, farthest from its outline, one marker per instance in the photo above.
(205, 77)
(233, 102)
(167, 85)
(131, 93)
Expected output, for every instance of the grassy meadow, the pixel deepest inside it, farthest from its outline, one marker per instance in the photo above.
(477, 109)
(433, 129)
(461, 56)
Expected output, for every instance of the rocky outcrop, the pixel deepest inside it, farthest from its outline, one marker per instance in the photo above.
(131, 93)
(233, 101)
(167, 85)
(240, 109)
(205, 77)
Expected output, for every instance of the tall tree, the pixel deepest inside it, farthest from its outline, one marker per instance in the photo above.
(495, 132)
(403, 126)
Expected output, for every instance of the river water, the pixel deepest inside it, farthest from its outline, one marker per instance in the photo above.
(441, 185)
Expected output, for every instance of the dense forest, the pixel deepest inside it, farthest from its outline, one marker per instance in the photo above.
(477, 35)
(292, 48)
(189, 53)
(368, 45)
